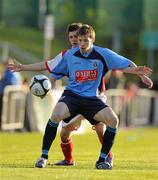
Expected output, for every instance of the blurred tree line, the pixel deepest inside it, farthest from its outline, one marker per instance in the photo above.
(118, 23)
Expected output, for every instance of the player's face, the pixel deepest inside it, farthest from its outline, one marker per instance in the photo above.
(85, 43)
(73, 38)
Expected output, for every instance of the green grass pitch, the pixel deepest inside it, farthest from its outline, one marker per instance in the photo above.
(135, 150)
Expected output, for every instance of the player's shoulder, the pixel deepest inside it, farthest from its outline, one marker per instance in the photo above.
(103, 50)
(64, 51)
(71, 51)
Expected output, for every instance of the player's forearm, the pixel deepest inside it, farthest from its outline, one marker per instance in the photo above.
(33, 67)
(130, 69)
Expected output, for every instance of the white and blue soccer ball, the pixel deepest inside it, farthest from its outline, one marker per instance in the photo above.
(40, 85)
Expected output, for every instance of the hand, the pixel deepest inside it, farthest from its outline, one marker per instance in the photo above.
(146, 80)
(143, 70)
(15, 66)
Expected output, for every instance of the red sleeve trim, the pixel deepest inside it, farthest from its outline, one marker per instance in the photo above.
(47, 67)
(63, 52)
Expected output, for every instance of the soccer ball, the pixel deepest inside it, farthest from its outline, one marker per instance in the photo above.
(40, 85)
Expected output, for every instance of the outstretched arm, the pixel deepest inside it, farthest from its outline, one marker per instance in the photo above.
(17, 67)
(139, 70)
(142, 71)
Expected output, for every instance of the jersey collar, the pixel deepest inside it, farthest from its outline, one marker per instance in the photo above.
(87, 54)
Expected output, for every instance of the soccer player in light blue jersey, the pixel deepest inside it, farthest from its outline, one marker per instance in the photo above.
(85, 66)
(69, 125)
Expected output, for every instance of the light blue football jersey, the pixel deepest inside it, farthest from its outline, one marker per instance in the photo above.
(85, 71)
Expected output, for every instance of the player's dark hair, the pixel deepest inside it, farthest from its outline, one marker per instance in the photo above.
(86, 29)
(73, 27)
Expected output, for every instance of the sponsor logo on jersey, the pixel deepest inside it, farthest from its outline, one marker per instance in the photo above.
(86, 75)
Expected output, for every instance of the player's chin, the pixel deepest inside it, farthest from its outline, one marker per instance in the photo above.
(83, 50)
(74, 44)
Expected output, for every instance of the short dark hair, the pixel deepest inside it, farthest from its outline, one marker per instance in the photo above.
(73, 27)
(86, 29)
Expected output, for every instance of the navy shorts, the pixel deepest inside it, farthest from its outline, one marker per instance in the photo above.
(76, 104)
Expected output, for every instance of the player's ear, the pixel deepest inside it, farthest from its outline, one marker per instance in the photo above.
(93, 39)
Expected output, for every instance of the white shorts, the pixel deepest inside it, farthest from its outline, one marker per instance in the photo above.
(75, 122)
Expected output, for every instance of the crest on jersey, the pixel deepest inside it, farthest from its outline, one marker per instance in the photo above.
(95, 64)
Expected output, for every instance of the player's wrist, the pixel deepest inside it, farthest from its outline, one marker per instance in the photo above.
(141, 75)
(21, 67)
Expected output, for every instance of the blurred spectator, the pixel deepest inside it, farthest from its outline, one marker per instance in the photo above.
(7, 78)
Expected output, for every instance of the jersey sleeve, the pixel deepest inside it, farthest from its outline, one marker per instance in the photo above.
(53, 62)
(60, 70)
(115, 61)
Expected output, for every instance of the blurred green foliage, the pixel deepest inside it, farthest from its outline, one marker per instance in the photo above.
(30, 40)
(26, 38)
(118, 23)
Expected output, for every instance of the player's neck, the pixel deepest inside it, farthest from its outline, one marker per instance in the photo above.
(87, 51)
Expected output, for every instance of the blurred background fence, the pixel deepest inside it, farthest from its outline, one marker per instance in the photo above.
(140, 109)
